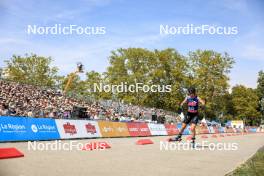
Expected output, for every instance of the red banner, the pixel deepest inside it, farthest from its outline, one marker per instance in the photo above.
(144, 130)
(138, 129)
(171, 129)
(133, 129)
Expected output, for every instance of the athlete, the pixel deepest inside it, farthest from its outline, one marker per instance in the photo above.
(192, 101)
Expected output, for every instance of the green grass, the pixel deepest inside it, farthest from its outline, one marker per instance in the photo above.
(253, 167)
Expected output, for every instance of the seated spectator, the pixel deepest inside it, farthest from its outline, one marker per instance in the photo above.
(4, 110)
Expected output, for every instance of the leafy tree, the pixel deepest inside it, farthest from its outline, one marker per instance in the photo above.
(137, 65)
(260, 87)
(1, 73)
(77, 86)
(245, 104)
(31, 69)
(209, 73)
(129, 66)
(260, 90)
(95, 79)
(168, 68)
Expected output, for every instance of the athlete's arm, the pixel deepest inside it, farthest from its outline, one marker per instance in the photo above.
(201, 101)
(184, 101)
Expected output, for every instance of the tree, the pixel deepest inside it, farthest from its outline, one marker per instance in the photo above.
(245, 104)
(260, 86)
(129, 66)
(209, 73)
(95, 79)
(74, 84)
(260, 90)
(168, 68)
(1, 73)
(31, 69)
(158, 67)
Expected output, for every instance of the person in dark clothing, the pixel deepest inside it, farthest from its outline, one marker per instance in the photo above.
(193, 101)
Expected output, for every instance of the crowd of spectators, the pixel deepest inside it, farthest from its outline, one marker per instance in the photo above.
(31, 101)
(26, 100)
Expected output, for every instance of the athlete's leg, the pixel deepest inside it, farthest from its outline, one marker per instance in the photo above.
(178, 137)
(187, 120)
(193, 126)
(184, 125)
(194, 122)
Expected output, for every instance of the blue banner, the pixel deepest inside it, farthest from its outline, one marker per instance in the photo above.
(26, 128)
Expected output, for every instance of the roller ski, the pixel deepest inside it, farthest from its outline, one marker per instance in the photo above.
(175, 139)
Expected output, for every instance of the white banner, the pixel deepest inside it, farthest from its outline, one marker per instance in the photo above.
(157, 129)
(77, 128)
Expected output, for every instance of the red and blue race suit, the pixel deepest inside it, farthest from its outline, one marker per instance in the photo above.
(192, 115)
(193, 103)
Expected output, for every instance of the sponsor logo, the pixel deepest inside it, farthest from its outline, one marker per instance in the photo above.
(157, 128)
(34, 128)
(12, 128)
(133, 129)
(42, 128)
(120, 129)
(90, 128)
(107, 129)
(68, 128)
(144, 129)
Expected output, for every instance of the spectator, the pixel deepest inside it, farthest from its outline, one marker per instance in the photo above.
(4, 110)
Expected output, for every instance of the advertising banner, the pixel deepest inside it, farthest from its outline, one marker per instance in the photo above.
(157, 129)
(26, 128)
(171, 129)
(121, 129)
(144, 129)
(106, 128)
(77, 129)
(91, 128)
(138, 129)
(133, 129)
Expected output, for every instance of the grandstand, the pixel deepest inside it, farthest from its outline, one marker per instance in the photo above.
(23, 100)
